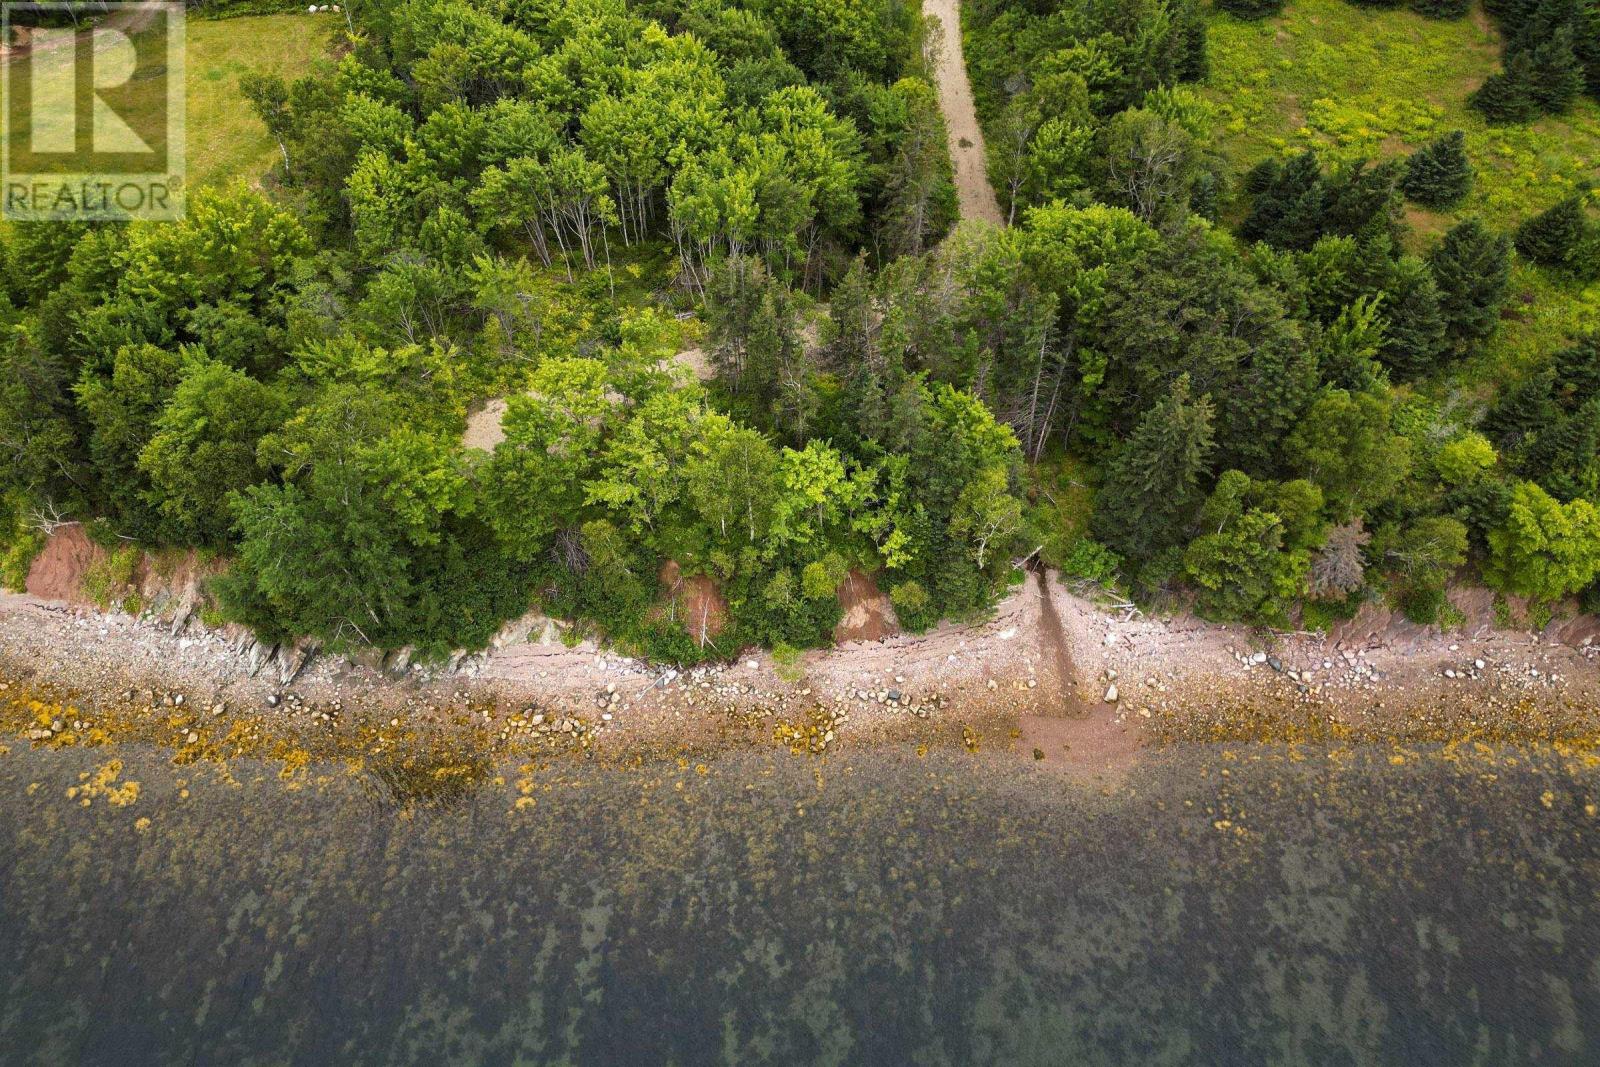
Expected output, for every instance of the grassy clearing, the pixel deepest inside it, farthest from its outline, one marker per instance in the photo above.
(225, 139)
(1357, 82)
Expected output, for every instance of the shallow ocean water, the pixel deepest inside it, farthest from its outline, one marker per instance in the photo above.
(1223, 905)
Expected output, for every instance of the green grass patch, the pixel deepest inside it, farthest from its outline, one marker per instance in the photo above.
(225, 139)
(16, 558)
(107, 578)
(786, 661)
(1357, 82)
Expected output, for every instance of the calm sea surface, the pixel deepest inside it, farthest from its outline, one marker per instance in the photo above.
(1242, 905)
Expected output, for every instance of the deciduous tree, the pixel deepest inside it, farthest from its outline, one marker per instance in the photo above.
(1544, 549)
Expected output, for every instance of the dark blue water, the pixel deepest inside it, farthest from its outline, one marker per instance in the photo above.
(870, 908)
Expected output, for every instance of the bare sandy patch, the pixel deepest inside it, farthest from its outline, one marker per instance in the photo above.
(694, 602)
(697, 363)
(485, 427)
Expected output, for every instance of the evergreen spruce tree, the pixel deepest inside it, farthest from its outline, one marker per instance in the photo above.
(1153, 483)
(1438, 174)
(1507, 97)
(872, 374)
(1552, 53)
(1552, 237)
(1203, 196)
(1557, 78)
(1564, 455)
(1261, 177)
(733, 306)
(1511, 13)
(1473, 270)
(852, 341)
(1441, 9)
(1288, 212)
(1190, 31)
(1364, 202)
(1251, 9)
(1585, 260)
(1532, 22)
(1416, 337)
(1578, 371)
(781, 368)
(1522, 410)
(1586, 44)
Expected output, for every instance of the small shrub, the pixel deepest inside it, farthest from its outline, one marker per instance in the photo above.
(1423, 605)
(664, 641)
(786, 658)
(912, 605)
(17, 559)
(1088, 559)
(1320, 615)
(1589, 599)
(1315, 616)
(1451, 617)
(107, 577)
(1251, 9)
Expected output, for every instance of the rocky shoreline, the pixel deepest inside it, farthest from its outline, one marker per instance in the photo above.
(1063, 683)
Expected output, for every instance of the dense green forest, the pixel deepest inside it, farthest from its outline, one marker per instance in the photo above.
(1283, 374)
(1254, 387)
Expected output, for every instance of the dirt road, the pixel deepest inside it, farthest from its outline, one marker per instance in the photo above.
(975, 194)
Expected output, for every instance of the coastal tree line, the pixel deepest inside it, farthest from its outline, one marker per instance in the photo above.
(481, 202)
(546, 201)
